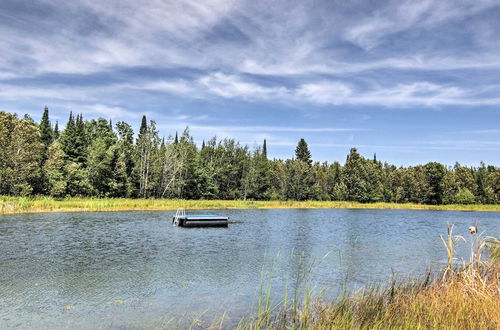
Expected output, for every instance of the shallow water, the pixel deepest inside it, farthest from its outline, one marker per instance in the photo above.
(134, 270)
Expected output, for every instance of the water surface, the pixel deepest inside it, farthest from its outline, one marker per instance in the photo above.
(134, 270)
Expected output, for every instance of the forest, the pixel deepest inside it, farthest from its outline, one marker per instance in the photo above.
(96, 158)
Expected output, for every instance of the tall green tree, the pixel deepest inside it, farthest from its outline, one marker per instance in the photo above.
(21, 152)
(302, 152)
(147, 146)
(298, 182)
(54, 171)
(101, 157)
(123, 168)
(143, 128)
(7, 124)
(435, 175)
(56, 131)
(46, 132)
(264, 149)
(74, 140)
(354, 177)
(89, 158)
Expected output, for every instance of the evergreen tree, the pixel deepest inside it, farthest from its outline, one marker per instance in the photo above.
(90, 159)
(435, 174)
(81, 141)
(74, 140)
(68, 137)
(299, 181)
(101, 157)
(208, 171)
(302, 152)
(354, 177)
(46, 133)
(143, 128)
(56, 131)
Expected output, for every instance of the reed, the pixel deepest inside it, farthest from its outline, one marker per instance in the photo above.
(494, 250)
(465, 296)
(13, 205)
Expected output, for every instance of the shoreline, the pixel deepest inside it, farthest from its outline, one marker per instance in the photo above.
(20, 205)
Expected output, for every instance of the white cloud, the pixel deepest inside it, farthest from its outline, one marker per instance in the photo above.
(255, 129)
(324, 92)
(106, 111)
(178, 86)
(230, 86)
(399, 16)
(226, 40)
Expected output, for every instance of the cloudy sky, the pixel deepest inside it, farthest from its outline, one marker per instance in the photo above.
(412, 81)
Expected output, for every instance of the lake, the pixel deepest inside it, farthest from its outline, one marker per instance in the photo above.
(132, 270)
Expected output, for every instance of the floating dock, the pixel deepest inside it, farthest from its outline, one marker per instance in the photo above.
(199, 220)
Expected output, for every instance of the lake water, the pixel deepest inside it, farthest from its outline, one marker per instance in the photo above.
(130, 270)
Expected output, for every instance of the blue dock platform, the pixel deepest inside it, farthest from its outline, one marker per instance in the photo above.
(199, 220)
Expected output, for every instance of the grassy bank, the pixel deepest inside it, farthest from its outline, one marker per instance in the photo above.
(468, 301)
(12, 205)
(465, 296)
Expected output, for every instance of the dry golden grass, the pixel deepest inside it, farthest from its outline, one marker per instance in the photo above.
(464, 297)
(12, 205)
(468, 302)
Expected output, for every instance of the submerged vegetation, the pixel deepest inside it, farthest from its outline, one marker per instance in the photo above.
(94, 158)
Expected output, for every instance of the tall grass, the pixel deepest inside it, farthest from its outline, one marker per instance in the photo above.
(10, 205)
(465, 296)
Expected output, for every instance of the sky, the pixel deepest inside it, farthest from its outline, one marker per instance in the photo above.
(412, 81)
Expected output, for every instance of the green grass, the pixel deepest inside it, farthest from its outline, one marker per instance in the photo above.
(462, 297)
(11, 205)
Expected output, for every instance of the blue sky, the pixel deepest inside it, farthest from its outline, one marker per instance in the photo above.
(413, 81)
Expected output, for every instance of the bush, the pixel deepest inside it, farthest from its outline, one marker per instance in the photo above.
(464, 196)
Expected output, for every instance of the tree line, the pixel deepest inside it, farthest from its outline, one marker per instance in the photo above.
(96, 158)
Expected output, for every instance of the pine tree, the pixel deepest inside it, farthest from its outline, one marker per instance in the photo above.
(80, 141)
(435, 174)
(68, 137)
(176, 140)
(264, 149)
(302, 152)
(143, 128)
(355, 177)
(56, 131)
(74, 139)
(46, 133)
(101, 157)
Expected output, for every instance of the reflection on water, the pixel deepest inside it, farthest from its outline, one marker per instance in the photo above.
(121, 269)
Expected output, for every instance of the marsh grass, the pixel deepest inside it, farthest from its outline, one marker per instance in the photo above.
(494, 250)
(464, 296)
(12, 205)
